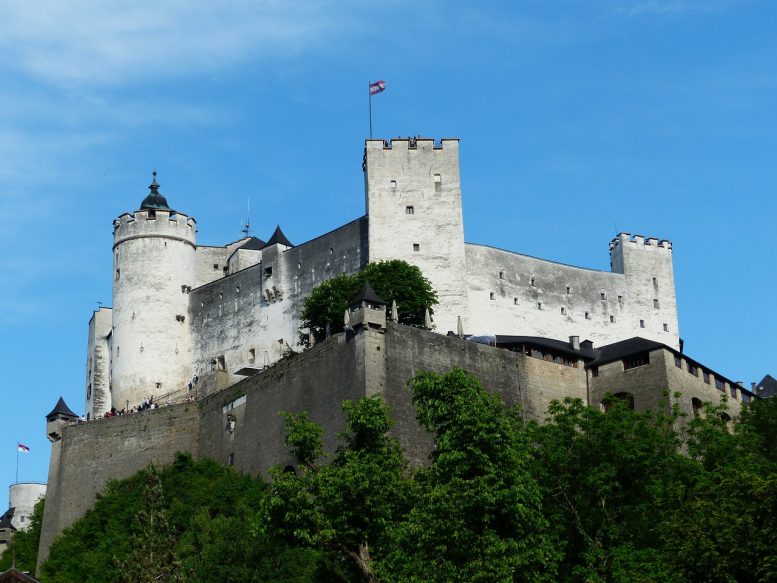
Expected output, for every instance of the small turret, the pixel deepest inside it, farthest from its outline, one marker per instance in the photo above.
(368, 310)
(60, 416)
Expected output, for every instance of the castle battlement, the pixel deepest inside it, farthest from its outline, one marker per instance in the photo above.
(624, 239)
(154, 223)
(407, 144)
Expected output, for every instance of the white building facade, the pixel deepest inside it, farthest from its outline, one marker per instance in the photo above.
(188, 318)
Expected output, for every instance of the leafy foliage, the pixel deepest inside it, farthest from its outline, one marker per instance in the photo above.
(393, 280)
(344, 506)
(24, 544)
(210, 513)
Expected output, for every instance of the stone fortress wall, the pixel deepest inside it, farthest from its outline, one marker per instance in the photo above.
(183, 312)
(511, 293)
(250, 317)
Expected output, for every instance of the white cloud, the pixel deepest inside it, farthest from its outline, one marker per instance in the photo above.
(96, 43)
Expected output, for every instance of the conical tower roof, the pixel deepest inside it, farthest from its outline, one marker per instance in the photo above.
(369, 296)
(154, 201)
(61, 408)
(279, 237)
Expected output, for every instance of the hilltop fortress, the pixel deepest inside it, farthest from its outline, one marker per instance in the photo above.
(184, 314)
(207, 329)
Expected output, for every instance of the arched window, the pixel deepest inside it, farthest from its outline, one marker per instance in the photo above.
(698, 407)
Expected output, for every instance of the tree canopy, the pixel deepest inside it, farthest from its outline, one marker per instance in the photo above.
(588, 495)
(393, 280)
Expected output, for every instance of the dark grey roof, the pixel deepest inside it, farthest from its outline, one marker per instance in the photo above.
(5, 519)
(767, 387)
(368, 295)
(625, 348)
(548, 343)
(154, 200)
(279, 237)
(61, 408)
(254, 244)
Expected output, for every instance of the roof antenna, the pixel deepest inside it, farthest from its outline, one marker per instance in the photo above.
(246, 229)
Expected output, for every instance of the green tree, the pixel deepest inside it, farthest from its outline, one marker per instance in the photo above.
(24, 545)
(210, 508)
(609, 479)
(477, 516)
(726, 527)
(344, 506)
(393, 280)
(153, 547)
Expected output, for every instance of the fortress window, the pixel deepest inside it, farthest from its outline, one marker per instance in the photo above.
(215, 266)
(237, 289)
(299, 264)
(118, 274)
(268, 271)
(732, 391)
(612, 319)
(437, 182)
(603, 295)
(221, 363)
(720, 385)
(331, 251)
(693, 369)
(563, 311)
(588, 315)
(666, 327)
(745, 398)
(610, 401)
(409, 210)
(539, 305)
(515, 301)
(158, 385)
(569, 289)
(416, 247)
(491, 296)
(221, 295)
(655, 281)
(251, 355)
(697, 406)
(501, 275)
(594, 371)
(678, 362)
(642, 323)
(655, 303)
(393, 184)
(706, 376)
(532, 282)
(620, 301)
(232, 459)
(641, 359)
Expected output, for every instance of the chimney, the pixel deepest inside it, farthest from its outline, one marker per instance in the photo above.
(574, 342)
(752, 387)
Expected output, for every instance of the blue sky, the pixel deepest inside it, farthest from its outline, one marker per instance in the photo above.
(575, 118)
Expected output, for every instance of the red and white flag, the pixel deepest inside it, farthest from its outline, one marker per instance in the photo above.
(22, 448)
(377, 87)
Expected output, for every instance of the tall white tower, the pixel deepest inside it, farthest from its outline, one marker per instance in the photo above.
(153, 261)
(413, 193)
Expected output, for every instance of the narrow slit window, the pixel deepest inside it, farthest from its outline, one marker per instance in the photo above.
(491, 296)
(563, 311)
(393, 184)
(588, 315)
(612, 319)
(437, 182)
(539, 305)
(603, 295)
(666, 327)
(642, 323)
(501, 275)
(410, 209)
(416, 247)
(655, 303)
(569, 289)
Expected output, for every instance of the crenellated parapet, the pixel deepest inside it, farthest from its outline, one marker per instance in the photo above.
(154, 223)
(639, 241)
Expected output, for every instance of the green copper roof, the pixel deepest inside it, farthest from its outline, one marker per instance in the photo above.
(154, 200)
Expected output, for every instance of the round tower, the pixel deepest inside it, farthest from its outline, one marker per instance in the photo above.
(153, 269)
(22, 497)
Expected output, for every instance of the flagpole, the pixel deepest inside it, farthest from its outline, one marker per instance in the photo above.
(17, 462)
(369, 98)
